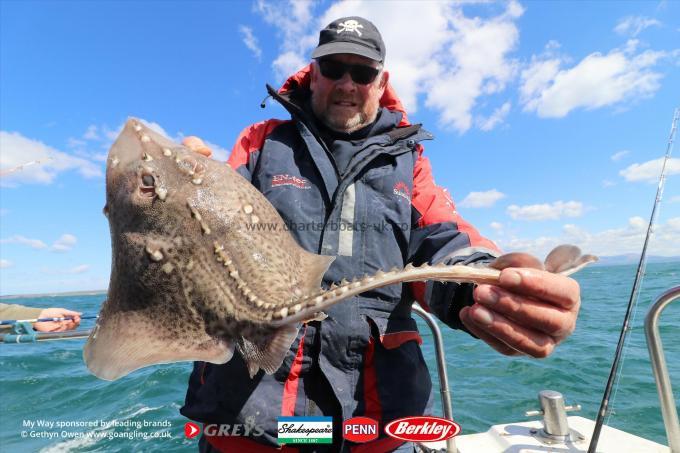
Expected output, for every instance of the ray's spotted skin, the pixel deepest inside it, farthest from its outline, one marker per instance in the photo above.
(191, 279)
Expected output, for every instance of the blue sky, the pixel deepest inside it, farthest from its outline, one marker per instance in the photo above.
(550, 117)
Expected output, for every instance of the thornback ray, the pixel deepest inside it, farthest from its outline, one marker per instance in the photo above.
(194, 278)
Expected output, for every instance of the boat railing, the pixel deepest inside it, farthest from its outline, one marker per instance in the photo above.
(658, 359)
(441, 369)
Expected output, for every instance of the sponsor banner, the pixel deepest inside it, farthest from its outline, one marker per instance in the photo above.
(360, 429)
(305, 430)
(422, 429)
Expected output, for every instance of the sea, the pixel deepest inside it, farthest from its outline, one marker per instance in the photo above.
(50, 403)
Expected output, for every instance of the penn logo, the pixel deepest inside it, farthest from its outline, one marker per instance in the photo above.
(360, 429)
(422, 429)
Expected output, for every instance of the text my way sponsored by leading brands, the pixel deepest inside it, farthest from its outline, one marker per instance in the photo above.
(305, 430)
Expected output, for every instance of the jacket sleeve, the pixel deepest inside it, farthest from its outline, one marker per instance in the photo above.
(439, 234)
(246, 150)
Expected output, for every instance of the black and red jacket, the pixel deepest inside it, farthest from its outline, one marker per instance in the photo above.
(383, 211)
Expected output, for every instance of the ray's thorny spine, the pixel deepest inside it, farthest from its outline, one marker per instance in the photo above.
(604, 406)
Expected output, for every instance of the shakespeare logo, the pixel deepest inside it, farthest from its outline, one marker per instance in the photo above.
(288, 180)
(402, 190)
(305, 430)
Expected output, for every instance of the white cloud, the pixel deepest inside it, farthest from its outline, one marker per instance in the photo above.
(473, 63)
(250, 41)
(633, 25)
(482, 199)
(615, 241)
(607, 183)
(24, 160)
(637, 223)
(651, 170)
(294, 23)
(288, 63)
(4, 264)
(453, 63)
(91, 133)
(80, 269)
(496, 118)
(546, 211)
(674, 199)
(496, 226)
(673, 224)
(18, 239)
(619, 155)
(64, 243)
(597, 81)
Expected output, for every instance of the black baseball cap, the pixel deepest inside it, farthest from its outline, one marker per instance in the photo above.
(354, 35)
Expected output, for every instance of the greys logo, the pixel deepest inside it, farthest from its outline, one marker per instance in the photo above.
(249, 428)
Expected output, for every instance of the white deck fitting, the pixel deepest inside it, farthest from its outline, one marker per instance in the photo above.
(517, 438)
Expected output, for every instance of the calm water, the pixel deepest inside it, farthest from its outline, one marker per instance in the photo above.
(47, 382)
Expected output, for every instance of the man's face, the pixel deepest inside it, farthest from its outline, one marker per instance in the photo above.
(344, 105)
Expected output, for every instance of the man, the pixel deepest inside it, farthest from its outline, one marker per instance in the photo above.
(15, 311)
(348, 175)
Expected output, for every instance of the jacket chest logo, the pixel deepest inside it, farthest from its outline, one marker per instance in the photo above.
(288, 180)
(401, 189)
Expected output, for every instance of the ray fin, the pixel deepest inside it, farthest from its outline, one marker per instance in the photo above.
(126, 341)
(269, 354)
(315, 266)
(561, 258)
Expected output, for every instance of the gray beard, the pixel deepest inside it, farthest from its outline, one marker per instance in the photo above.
(347, 126)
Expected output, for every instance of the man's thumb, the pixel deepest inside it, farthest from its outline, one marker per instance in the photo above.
(196, 144)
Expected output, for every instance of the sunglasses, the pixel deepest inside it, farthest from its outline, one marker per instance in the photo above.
(335, 70)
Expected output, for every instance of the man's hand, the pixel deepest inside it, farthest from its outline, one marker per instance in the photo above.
(57, 326)
(196, 144)
(529, 312)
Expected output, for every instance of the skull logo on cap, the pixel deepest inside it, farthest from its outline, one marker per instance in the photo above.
(350, 26)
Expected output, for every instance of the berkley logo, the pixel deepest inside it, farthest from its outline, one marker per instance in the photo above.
(402, 190)
(288, 180)
(360, 429)
(422, 429)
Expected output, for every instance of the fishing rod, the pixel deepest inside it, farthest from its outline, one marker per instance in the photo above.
(604, 406)
(9, 322)
(22, 330)
(44, 336)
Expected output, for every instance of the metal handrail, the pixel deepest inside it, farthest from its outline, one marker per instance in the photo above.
(441, 369)
(658, 359)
